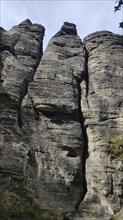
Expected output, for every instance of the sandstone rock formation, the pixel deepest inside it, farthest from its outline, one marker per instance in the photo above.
(61, 144)
(56, 142)
(102, 109)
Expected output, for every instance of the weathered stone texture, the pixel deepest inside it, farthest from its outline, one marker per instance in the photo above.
(19, 60)
(56, 135)
(101, 103)
(61, 123)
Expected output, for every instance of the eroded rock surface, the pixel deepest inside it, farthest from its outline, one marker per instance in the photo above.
(56, 135)
(102, 109)
(20, 54)
(61, 124)
(21, 51)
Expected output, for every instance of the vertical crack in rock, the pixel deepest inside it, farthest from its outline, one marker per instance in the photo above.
(85, 137)
(85, 78)
(70, 111)
(86, 75)
(101, 95)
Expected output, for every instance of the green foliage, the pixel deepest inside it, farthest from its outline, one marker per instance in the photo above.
(116, 147)
(21, 204)
(118, 216)
(119, 4)
(119, 7)
(116, 139)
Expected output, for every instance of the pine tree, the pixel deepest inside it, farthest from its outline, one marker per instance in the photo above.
(118, 7)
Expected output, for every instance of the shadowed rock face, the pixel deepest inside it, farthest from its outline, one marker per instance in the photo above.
(61, 122)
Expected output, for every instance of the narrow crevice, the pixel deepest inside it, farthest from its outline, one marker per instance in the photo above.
(85, 154)
(23, 92)
(35, 110)
(1, 68)
(86, 75)
(19, 115)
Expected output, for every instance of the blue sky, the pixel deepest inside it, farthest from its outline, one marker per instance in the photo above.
(88, 15)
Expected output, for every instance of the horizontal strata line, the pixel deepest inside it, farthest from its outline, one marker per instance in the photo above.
(56, 81)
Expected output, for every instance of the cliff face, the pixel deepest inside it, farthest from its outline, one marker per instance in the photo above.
(102, 109)
(61, 124)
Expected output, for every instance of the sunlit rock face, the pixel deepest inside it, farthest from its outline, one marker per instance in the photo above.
(51, 109)
(61, 124)
(102, 109)
(21, 51)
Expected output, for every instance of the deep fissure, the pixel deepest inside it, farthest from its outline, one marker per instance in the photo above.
(86, 75)
(84, 155)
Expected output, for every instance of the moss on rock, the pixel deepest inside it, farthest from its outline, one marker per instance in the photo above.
(118, 216)
(21, 204)
(116, 147)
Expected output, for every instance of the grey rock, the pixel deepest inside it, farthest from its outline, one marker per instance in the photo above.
(102, 110)
(67, 29)
(61, 124)
(17, 69)
(56, 136)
